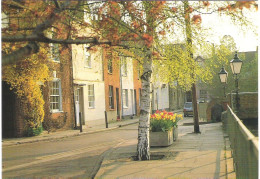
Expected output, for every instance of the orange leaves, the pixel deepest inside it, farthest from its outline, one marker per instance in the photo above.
(189, 9)
(174, 9)
(196, 19)
(156, 10)
(239, 5)
(114, 8)
(162, 32)
(135, 25)
(135, 36)
(148, 39)
(242, 4)
(160, 3)
(206, 3)
(155, 54)
(221, 9)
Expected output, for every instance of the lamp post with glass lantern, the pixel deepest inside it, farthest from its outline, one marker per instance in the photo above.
(223, 78)
(236, 65)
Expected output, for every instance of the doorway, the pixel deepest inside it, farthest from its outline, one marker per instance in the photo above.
(135, 103)
(79, 106)
(8, 111)
(117, 104)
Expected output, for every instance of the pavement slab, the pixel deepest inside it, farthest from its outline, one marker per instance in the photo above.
(191, 156)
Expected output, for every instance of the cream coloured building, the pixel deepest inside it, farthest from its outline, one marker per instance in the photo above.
(88, 85)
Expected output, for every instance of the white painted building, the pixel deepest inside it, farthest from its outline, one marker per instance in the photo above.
(160, 96)
(89, 88)
(127, 85)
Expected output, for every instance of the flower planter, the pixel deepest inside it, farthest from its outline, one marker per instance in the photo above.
(160, 139)
(175, 133)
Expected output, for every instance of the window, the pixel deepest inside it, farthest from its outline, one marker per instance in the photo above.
(110, 65)
(87, 57)
(124, 66)
(92, 13)
(111, 97)
(125, 98)
(55, 52)
(203, 94)
(91, 96)
(55, 96)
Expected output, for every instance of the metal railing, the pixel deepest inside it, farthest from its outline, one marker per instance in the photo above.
(244, 146)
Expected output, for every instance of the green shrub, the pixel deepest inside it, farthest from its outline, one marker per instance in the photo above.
(33, 131)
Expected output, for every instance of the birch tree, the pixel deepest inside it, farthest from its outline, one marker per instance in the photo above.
(136, 26)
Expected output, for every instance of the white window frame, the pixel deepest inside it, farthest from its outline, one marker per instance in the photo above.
(59, 101)
(55, 52)
(93, 12)
(125, 98)
(87, 57)
(111, 97)
(91, 103)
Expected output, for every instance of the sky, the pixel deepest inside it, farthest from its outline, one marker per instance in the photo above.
(245, 40)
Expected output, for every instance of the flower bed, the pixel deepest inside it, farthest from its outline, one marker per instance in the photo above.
(162, 121)
(161, 125)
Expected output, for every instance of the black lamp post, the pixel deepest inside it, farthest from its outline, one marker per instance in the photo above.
(223, 74)
(236, 65)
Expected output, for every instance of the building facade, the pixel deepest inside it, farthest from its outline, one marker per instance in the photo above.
(88, 85)
(58, 93)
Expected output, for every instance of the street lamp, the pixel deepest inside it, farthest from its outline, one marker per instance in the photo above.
(236, 65)
(223, 74)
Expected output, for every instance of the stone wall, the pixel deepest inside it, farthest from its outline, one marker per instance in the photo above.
(248, 104)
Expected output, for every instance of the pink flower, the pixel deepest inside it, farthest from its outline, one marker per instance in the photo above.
(170, 113)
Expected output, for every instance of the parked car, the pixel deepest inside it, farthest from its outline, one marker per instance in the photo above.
(188, 109)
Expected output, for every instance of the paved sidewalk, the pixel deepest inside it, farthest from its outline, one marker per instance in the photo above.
(45, 136)
(205, 155)
(68, 133)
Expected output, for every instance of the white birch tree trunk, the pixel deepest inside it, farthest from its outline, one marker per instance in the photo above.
(143, 146)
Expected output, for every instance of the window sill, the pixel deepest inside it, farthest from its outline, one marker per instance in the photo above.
(125, 107)
(109, 73)
(91, 107)
(87, 67)
(55, 61)
(53, 112)
(112, 109)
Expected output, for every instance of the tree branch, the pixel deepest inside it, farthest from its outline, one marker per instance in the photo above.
(36, 38)
(19, 54)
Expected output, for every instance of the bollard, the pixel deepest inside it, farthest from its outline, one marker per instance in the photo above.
(80, 122)
(106, 119)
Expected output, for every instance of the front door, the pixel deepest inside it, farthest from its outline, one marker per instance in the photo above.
(78, 106)
(135, 104)
(117, 104)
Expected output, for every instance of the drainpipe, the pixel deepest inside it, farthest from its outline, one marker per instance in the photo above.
(73, 92)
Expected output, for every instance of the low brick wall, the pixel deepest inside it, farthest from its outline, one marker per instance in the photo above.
(248, 104)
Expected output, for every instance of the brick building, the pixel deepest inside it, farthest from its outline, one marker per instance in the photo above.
(112, 85)
(58, 93)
